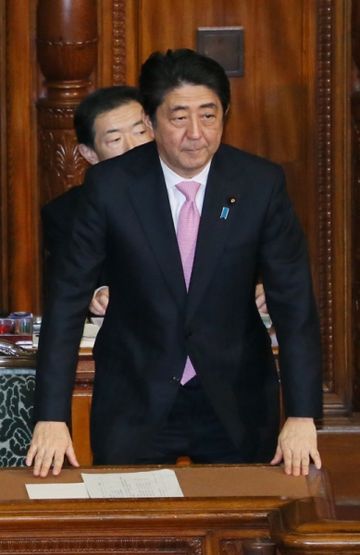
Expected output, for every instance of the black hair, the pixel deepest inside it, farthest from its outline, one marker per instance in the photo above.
(163, 72)
(96, 103)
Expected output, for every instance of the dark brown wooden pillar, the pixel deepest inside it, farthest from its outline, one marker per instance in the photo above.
(18, 185)
(67, 55)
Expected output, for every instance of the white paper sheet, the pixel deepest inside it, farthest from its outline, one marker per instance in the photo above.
(152, 483)
(57, 491)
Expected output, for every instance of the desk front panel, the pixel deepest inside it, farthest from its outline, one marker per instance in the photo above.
(225, 510)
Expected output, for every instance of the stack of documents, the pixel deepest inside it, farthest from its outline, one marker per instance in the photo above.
(152, 483)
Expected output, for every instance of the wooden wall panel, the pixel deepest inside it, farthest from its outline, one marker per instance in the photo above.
(296, 57)
(3, 177)
(273, 110)
(20, 264)
(292, 105)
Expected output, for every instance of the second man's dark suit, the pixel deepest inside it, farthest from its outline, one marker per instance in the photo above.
(152, 324)
(57, 216)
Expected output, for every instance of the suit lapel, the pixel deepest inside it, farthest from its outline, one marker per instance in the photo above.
(150, 200)
(222, 186)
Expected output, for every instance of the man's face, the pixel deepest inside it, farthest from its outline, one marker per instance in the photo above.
(119, 130)
(188, 128)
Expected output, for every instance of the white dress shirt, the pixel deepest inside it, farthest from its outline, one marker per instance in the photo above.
(176, 198)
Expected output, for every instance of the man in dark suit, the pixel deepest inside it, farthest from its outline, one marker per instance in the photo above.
(184, 367)
(108, 122)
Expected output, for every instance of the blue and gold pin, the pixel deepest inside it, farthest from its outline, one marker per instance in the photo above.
(225, 209)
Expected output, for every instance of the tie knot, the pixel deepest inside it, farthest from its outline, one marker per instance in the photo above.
(189, 189)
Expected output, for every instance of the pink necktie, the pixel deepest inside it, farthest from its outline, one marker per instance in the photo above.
(187, 230)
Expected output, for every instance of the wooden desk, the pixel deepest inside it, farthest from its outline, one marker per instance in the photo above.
(339, 440)
(81, 405)
(230, 510)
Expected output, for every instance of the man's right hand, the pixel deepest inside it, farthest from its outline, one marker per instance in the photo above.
(50, 443)
(100, 301)
(260, 299)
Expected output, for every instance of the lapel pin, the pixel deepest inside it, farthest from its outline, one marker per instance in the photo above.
(231, 200)
(224, 213)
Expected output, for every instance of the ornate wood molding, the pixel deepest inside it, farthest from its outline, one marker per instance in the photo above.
(355, 112)
(119, 42)
(325, 182)
(67, 54)
(356, 247)
(334, 198)
(101, 544)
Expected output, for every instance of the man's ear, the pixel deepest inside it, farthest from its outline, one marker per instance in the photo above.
(148, 123)
(88, 153)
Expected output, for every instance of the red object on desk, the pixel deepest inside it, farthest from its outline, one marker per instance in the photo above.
(6, 326)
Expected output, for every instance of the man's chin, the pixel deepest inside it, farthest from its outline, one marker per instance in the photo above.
(195, 160)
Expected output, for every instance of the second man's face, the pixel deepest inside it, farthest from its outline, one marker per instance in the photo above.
(120, 130)
(188, 128)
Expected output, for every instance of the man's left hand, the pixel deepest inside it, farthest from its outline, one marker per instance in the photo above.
(297, 445)
(100, 301)
(260, 299)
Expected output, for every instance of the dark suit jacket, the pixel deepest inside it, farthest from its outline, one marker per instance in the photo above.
(152, 323)
(57, 218)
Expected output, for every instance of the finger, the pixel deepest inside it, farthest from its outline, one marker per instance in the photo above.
(102, 309)
(37, 464)
(42, 464)
(305, 462)
(96, 307)
(71, 456)
(58, 462)
(104, 300)
(260, 301)
(288, 461)
(47, 463)
(278, 456)
(315, 455)
(30, 455)
(296, 464)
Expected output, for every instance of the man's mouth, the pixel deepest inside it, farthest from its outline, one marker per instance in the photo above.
(194, 149)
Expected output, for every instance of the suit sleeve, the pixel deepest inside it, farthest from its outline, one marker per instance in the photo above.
(288, 285)
(77, 273)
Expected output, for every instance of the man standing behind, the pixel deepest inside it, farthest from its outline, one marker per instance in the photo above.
(108, 122)
(183, 362)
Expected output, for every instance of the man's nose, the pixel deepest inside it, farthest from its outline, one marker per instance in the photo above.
(129, 142)
(194, 128)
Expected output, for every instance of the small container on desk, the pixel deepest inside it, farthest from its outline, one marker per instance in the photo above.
(6, 326)
(17, 328)
(36, 331)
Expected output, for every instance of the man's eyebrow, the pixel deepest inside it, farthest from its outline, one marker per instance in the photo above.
(140, 122)
(115, 130)
(119, 130)
(179, 107)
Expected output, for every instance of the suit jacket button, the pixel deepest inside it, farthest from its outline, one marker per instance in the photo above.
(188, 334)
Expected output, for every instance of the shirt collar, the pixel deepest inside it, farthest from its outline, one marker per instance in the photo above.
(172, 178)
